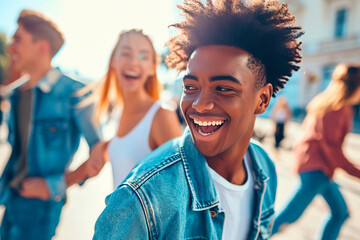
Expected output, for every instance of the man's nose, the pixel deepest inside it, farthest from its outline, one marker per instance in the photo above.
(203, 102)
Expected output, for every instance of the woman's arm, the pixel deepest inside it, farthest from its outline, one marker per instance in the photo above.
(336, 125)
(90, 168)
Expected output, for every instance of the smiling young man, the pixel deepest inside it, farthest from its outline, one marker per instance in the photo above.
(45, 125)
(213, 182)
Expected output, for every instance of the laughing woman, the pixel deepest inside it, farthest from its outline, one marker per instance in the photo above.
(144, 123)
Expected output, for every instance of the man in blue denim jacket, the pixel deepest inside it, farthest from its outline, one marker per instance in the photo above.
(213, 182)
(45, 124)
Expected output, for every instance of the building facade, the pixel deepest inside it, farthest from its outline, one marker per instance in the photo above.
(332, 36)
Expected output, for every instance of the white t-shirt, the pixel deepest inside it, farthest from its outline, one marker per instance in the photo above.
(237, 201)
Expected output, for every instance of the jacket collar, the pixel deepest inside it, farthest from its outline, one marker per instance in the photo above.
(257, 155)
(47, 83)
(200, 182)
(199, 179)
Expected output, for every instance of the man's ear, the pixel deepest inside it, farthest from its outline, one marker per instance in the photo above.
(263, 96)
(43, 47)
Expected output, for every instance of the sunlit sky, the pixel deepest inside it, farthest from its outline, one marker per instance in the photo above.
(91, 27)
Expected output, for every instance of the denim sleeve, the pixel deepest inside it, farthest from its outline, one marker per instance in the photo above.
(57, 186)
(83, 116)
(10, 121)
(123, 217)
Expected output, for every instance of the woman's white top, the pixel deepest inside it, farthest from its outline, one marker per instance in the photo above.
(125, 152)
(237, 201)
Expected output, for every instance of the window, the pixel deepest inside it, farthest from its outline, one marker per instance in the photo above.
(326, 75)
(340, 22)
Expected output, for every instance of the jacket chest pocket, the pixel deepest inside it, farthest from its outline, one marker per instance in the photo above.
(54, 132)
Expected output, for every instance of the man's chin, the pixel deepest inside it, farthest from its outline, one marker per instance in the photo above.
(207, 151)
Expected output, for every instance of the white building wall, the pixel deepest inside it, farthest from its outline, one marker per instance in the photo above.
(320, 46)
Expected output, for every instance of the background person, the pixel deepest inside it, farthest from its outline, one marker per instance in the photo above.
(319, 151)
(280, 114)
(45, 125)
(145, 123)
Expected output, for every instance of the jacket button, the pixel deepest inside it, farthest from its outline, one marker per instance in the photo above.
(212, 213)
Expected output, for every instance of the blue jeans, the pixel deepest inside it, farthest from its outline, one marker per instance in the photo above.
(313, 183)
(30, 219)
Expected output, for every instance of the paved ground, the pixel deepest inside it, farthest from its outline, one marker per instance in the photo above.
(307, 226)
(86, 203)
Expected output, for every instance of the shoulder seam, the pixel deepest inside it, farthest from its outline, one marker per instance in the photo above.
(157, 168)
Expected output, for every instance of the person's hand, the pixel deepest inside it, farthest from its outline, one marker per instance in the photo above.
(35, 188)
(98, 157)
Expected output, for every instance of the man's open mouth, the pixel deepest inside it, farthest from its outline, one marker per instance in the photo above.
(206, 128)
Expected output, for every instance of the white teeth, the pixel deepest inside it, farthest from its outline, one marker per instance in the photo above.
(131, 74)
(208, 123)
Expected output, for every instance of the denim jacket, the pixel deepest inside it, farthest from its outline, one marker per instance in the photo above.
(171, 195)
(56, 124)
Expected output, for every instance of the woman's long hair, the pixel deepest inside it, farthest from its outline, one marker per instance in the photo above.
(108, 90)
(345, 81)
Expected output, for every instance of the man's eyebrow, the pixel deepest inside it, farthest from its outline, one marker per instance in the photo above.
(215, 78)
(192, 77)
(224, 77)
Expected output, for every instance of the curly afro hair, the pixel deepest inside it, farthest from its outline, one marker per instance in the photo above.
(262, 28)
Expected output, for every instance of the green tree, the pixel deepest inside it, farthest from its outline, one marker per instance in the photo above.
(4, 58)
